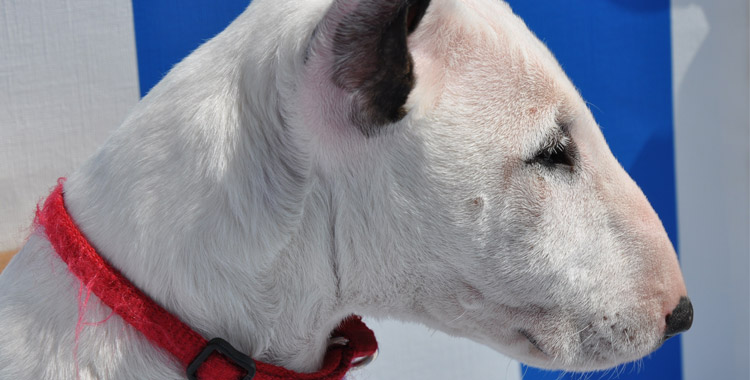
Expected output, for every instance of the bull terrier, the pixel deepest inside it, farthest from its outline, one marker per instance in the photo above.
(421, 160)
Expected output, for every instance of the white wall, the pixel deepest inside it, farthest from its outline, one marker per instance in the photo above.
(712, 143)
(412, 352)
(68, 76)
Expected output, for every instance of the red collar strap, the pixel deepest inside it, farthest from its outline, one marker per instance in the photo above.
(214, 360)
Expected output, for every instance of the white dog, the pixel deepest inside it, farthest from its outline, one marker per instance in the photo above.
(422, 160)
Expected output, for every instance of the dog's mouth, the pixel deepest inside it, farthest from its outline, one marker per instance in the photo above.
(531, 340)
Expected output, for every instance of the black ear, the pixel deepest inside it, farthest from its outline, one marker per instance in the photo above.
(370, 58)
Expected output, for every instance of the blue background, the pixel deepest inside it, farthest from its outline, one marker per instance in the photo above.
(166, 31)
(617, 52)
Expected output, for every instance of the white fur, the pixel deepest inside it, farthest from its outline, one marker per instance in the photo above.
(237, 196)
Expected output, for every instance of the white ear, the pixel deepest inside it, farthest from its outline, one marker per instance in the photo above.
(361, 48)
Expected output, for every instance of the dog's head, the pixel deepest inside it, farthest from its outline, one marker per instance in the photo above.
(473, 190)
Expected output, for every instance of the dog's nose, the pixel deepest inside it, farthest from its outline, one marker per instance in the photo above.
(680, 319)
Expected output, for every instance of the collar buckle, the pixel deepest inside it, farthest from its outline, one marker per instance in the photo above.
(223, 347)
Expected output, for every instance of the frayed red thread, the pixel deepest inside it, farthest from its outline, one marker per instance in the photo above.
(79, 324)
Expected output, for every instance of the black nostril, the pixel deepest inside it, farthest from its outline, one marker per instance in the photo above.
(680, 319)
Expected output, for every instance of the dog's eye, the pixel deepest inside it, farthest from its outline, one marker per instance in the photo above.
(560, 153)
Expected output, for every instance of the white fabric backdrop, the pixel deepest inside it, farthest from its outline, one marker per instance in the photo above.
(68, 76)
(711, 99)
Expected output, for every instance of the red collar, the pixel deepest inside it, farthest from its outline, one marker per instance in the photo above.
(199, 357)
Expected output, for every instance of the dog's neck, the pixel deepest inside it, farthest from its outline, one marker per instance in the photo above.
(279, 308)
(208, 208)
(205, 201)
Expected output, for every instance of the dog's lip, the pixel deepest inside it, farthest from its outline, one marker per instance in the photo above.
(534, 342)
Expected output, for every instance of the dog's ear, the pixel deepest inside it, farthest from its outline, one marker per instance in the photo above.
(363, 44)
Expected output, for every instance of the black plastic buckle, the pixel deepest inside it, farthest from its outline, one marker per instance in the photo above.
(226, 349)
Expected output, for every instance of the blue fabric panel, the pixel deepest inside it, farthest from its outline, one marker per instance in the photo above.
(166, 31)
(618, 53)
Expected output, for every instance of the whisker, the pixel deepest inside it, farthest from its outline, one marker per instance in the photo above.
(457, 318)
